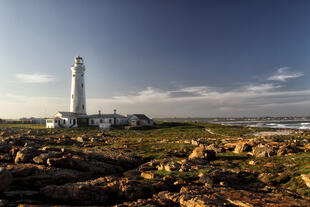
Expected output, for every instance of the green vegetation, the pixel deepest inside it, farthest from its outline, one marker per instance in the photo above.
(24, 126)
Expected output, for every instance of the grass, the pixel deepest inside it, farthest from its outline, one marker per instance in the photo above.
(23, 126)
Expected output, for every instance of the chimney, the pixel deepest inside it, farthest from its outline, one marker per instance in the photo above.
(114, 117)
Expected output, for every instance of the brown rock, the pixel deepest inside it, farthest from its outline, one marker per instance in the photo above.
(263, 151)
(215, 148)
(147, 175)
(201, 153)
(242, 147)
(306, 179)
(25, 155)
(5, 179)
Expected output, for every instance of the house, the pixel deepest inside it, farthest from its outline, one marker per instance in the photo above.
(113, 119)
(139, 120)
(66, 120)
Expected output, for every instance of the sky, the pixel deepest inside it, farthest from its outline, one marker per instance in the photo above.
(164, 58)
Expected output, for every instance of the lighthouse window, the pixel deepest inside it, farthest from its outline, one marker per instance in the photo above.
(72, 96)
(73, 75)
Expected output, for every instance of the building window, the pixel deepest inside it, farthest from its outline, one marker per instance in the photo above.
(82, 75)
(83, 107)
(110, 121)
(73, 75)
(101, 120)
(92, 121)
(64, 121)
(72, 96)
(82, 85)
(55, 121)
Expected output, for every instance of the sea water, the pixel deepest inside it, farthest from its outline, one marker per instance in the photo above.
(284, 125)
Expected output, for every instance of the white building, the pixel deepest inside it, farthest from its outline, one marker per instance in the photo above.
(78, 117)
(67, 120)
(113, 119)
(78, 98)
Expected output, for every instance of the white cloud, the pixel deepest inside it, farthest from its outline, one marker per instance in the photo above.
(266, 98)
(283, 74)
(35, 78)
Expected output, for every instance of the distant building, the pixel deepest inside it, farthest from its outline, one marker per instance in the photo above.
(77, 117)
(32, 120)
(113, 119)
(139, 120)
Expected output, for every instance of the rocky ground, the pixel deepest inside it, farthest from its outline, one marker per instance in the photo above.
(170, 165)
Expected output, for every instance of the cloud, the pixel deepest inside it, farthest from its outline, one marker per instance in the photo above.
(35, 78)
(255, 99)
(283, 74)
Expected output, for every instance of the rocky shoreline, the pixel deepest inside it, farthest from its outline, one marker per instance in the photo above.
(37, 171)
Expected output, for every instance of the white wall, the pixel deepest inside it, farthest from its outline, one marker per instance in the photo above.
(78, 98)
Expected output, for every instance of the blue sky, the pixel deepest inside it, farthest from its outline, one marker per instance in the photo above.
(165, 58)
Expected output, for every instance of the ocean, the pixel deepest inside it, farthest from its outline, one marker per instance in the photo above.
(282, 125)
(305, 125)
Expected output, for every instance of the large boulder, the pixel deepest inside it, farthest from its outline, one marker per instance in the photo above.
(242, 147)
(215, 148)
(67, 162)
(306, 179)
(42, 158)
(104, 191)
(263, 151)
(5, 179)
(25, 155)
(202, 153)
(288, 149)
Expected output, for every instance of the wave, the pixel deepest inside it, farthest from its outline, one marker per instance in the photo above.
(305, 124)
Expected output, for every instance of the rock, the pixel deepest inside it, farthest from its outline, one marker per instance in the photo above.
(170, 199)
(5, 179)
(42, 158)
(3, 202)
(242, 147)
(5, 148)
(252, 162)
(24, 170)
(21, 194)
(215, 148)
(67, 162)
(185, 167)
(201, 153)
(76, 193)
(206, 179)
(80, 139)
(172, 166)
(288, 149)
(25, 155)
(103, 191)
(306, 179)
(47, 148)
(194, 142)
(147, 175)
(168, 179)
(263, 151)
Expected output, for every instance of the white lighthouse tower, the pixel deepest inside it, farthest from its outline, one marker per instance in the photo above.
(78, 99)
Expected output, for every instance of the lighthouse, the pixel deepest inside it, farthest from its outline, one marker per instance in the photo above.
(78, 99)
